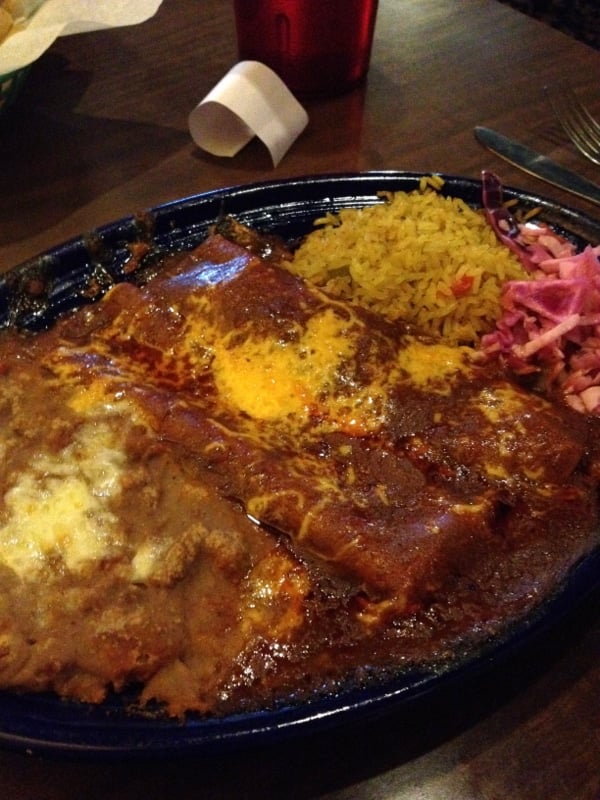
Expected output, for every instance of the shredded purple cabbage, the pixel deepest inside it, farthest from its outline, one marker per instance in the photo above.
(550, 322)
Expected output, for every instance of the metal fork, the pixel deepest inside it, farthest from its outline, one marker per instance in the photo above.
(579, 125)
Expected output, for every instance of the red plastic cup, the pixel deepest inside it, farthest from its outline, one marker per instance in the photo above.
(317, 47)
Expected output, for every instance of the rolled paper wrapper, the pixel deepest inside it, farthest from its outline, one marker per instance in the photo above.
(250, 100)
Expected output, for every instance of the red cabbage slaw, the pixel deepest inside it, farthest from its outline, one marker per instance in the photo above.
(550, 322)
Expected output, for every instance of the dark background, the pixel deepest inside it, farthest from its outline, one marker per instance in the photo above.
(577, 18)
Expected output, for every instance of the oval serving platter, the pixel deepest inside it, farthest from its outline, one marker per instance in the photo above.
(34, 294)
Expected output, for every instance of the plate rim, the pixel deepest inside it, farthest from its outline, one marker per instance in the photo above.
(30, 727)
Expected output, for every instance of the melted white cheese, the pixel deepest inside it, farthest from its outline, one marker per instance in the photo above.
(60, 507)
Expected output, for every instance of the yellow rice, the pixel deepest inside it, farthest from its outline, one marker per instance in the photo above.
(403, 258)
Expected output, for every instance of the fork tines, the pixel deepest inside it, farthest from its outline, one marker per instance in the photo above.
(579, 125)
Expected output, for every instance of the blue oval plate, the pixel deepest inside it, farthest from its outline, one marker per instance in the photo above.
(43, 722)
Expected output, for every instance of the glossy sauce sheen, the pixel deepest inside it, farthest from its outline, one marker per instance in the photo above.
(233, 489)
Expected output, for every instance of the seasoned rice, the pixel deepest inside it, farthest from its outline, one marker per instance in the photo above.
(419, 256)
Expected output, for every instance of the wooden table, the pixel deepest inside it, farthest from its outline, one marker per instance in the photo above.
(100, 131)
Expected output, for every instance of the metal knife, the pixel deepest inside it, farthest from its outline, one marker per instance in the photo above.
(537, 165)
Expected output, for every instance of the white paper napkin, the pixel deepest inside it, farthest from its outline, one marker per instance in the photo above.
(63, 17)
(251, 100)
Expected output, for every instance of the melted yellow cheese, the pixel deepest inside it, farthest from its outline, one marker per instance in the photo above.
(507, 408)
(504, 405)
(87, 397)
(300, 376)
(312, 375)
(432, 366)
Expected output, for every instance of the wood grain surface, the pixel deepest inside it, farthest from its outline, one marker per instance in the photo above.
(100, 132)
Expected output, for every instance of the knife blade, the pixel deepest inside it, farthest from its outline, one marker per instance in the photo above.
(537, 165)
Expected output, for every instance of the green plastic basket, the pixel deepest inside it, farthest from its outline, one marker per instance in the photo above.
(10, 86)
